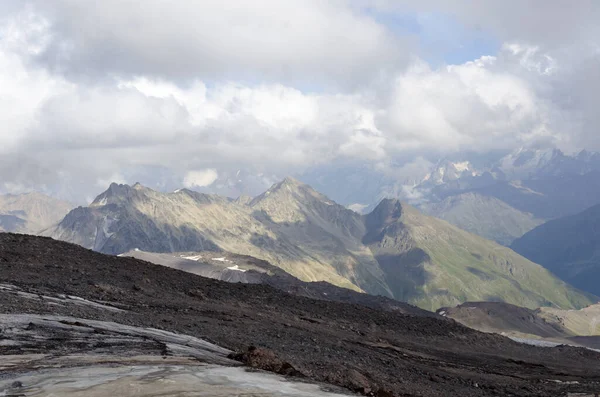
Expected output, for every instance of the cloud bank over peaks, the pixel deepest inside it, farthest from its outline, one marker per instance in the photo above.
(202, 90)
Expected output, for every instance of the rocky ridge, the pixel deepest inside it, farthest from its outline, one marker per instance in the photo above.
(394, 251)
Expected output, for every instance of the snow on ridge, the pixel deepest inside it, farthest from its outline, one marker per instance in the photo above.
(462, 166)
(223, 259)
(192, 257)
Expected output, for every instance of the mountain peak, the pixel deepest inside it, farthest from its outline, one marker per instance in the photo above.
(291, 181)
(389, 209)
(288, 185)
(290, 200)
(116, 193)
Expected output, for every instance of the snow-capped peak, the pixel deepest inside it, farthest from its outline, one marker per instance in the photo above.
(446, 171)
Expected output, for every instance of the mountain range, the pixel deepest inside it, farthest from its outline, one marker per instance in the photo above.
(483, 215)
(394, 251)
(30, 212)
(527, 186)
(496, 197)
(506, 198)
(569, 247)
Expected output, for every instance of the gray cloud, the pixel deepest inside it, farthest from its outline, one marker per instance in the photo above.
(113, 90)
(307, 42)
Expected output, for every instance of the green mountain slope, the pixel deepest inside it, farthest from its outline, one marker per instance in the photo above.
(395, 251)
(485, 216)
(436, 264)
(569, 247)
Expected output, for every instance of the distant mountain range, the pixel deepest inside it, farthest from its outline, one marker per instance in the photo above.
(498, 198)
(394, 251)
(569, 247)
(30, 212)
(527, 186)
(485, 216)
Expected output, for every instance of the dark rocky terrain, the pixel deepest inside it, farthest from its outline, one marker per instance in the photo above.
(574, 327)
(365, 350)
(252, 270)
(500, 317)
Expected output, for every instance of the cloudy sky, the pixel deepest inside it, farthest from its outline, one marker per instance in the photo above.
(187, 93)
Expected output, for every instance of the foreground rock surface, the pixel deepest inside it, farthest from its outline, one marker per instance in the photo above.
(365, 350)
(158, 381)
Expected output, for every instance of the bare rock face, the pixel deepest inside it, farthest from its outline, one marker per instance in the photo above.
(75, 357)
(265, 359)
(60, 339)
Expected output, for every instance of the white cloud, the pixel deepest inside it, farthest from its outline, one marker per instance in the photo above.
(531, 59)
(473, 106)
(222, 85)
(200, 178)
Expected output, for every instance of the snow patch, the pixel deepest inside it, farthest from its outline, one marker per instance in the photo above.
(191, 258)
(237, 268)
(442, 171)
(223, 259)
(462, 166)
